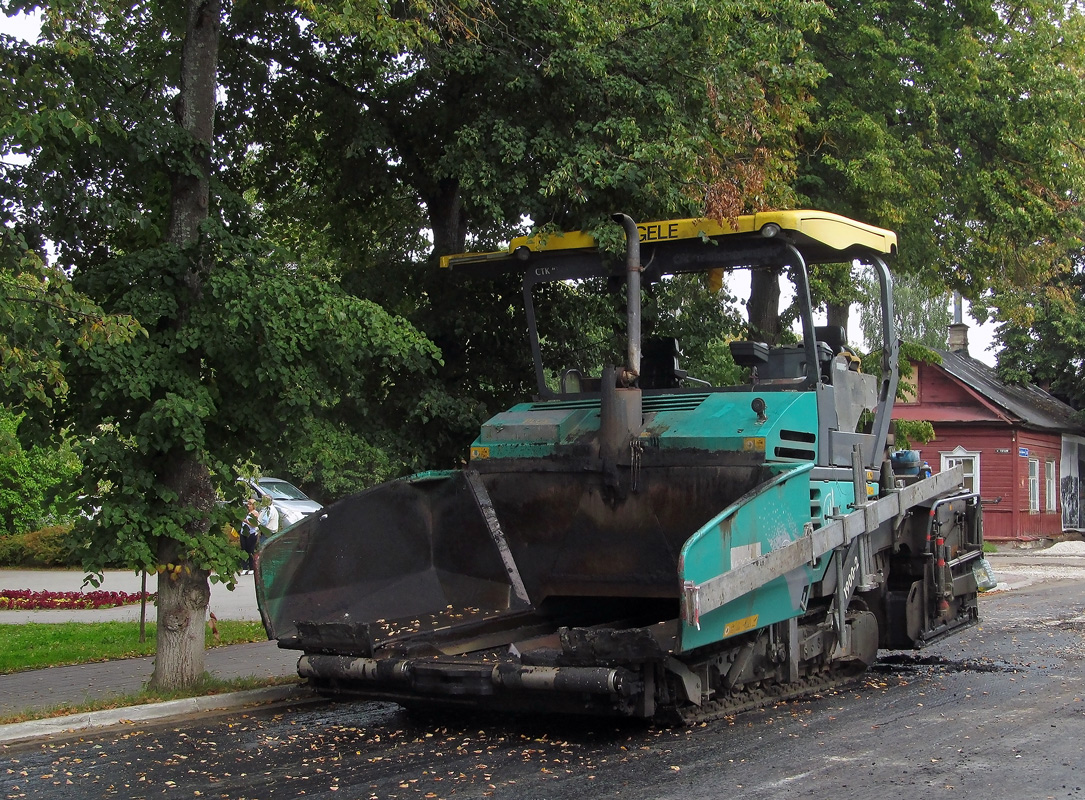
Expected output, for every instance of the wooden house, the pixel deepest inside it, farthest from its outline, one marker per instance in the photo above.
(1021, 447)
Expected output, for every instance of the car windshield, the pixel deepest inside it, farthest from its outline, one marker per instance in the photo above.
(281, 490)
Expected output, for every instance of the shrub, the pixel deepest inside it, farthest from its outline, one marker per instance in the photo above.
(50, 547)
(11, 550)
(45, 547)
(35, 483)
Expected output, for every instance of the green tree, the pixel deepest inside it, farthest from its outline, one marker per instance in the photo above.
(1043, 337)
(959, 126)
(36, 483)
(921, 312)
(562, 112)
(41, 314)
(250, 355)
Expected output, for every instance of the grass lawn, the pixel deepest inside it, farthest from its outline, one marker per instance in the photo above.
(35, 645)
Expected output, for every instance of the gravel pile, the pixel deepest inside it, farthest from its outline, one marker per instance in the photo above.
(1063, 549)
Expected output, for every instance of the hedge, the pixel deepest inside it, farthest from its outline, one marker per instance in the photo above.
(45, 547)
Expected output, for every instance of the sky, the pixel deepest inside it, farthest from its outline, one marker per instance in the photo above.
(23, 26)
(980, 337)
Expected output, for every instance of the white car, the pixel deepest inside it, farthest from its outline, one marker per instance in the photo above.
(290, 501)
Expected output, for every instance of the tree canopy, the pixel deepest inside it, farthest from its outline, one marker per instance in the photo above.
(1042, 334)
(960, 126)
(220, 223)
(530, 113)
(557, 112)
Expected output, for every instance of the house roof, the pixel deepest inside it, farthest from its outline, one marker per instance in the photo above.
(1029, 404)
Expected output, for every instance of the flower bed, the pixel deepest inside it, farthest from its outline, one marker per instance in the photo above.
(25, 599)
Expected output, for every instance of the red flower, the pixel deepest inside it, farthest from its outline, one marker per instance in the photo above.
(25, 599)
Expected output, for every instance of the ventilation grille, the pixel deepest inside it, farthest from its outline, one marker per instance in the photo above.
(817, 514)
(816, 511)
(563, 405)
(681, 402)
(797, 445)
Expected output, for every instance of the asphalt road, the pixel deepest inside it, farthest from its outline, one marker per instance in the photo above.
(997, 712)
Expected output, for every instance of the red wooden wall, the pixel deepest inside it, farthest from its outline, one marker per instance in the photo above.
(963, 418)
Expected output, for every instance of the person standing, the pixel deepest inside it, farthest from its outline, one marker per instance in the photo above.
(250, 535)
(267, 522)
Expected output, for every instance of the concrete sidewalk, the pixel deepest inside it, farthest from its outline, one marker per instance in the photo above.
(44, 689)
(1018, 568)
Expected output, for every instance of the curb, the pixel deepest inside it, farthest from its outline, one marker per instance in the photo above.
(1021, 569)
(76, 723)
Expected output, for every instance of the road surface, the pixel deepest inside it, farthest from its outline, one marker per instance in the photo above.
(997, 712)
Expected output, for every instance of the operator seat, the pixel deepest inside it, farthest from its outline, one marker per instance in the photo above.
(836, 339)
(659, 363)
(832, 335)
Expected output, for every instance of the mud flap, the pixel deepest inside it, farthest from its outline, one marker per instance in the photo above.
(905, 617)
(862, 638)
(913, 611)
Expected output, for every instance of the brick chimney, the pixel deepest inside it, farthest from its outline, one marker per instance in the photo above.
(958, 331)
(958, 338)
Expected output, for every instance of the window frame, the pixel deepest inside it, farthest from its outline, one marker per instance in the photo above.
(1051, 483)
(1034, 486)
(959, 455)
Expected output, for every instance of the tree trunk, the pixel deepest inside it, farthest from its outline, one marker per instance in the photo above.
(837, 314)
(447, 218)
(183, 590)
(183, 595)
(763, 307)
(195, 112)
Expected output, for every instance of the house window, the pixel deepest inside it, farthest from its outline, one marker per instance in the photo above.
(908, 393)
(1049, 486)
(970, 461)
(1034, 485)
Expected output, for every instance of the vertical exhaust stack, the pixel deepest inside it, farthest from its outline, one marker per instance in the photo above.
(621, 415)
(632, 294)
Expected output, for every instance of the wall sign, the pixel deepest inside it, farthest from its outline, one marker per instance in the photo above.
(1023, 452)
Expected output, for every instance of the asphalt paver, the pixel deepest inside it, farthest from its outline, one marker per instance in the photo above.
(44, 689)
